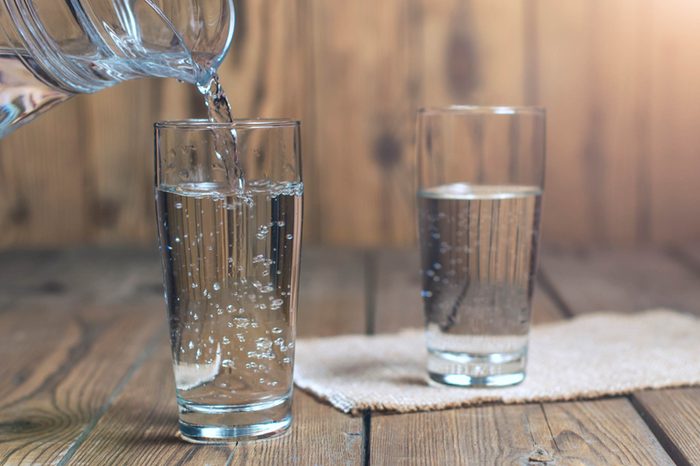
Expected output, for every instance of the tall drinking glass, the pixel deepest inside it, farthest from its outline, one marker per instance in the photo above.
(230, 236)
(480, 182)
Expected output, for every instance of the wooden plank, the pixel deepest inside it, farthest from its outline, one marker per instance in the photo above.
(62, 343)
(54, 288)
(674, 415)
(604, 432)
(596, 135)
(471, 52)
(331, 300)
(504, 434)
(41, 177)
(673, 49)
(487, 435)
(47, 411)
(80, 277)
(366, 127)
(629, 281)
(268, 74)
(622, 281)
(118, 186)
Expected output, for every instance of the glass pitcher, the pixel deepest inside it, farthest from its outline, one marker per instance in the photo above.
(51, 50)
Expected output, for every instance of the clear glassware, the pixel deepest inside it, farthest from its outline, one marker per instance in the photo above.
(230, 254)
(51, 50)
(480, 184)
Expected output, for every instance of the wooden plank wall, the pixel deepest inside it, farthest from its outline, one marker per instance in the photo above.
(619, 78)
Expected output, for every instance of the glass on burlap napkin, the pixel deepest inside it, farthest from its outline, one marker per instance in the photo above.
(586, 357)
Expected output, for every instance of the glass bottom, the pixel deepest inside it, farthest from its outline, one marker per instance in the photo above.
(231, 423)
(477, 370)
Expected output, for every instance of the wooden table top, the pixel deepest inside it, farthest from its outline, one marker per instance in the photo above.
(85, 376)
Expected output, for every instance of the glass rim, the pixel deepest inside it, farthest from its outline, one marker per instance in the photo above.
(484, 110)
(237, 123)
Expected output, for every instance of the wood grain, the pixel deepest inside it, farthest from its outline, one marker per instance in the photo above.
(577, 433)
(141, 428)
(598, 133)
(268, 74)
(480, 435)
(673, 190)
(621, 281)
(41, 177)
(602, 432)
(48, 410)
(142, 421)
(675, 416)
(119, 168)
(626, 282)
(364, 111)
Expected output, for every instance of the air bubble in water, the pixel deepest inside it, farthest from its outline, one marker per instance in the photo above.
(216, 286)
(277, 330)
(263, 344)
(262, 232)
(276, 304)
(241, 322)
(178, 205)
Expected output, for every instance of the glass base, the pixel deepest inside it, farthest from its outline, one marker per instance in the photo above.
(232, 423)
(477, 370)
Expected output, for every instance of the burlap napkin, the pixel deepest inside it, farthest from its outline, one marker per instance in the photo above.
(586, 357)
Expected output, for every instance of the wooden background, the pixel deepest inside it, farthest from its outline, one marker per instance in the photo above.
(620, 79)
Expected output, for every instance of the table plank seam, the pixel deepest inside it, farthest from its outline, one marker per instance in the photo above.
(666, 443)
(229, 460)
(153, 343)
(549, 428)
(366, 436)
(371, 277)
(685, 260)
(370, 269)
(553, 294)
